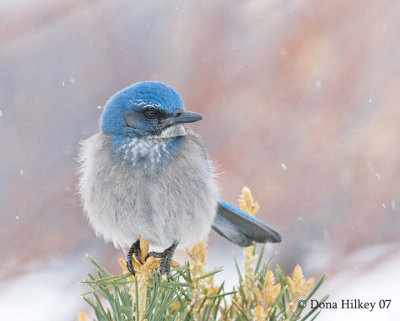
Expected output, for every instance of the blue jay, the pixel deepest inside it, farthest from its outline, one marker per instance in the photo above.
(145, 174)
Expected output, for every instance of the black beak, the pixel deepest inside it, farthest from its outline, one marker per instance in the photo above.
(182, 116)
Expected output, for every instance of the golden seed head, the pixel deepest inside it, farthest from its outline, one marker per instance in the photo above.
(247, 203)
(269, 280)
(144, 248)
(298, 275)
(269, 292)
(175, 305)
(175, 264)
(259, 313)
(298, 286)
(122, 264)
(257, 294)
(198, 252)
(82, 316)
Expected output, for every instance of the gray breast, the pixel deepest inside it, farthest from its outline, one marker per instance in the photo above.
(165, 202)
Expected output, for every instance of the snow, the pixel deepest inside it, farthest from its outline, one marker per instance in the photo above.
(49, 292)
(377, 284)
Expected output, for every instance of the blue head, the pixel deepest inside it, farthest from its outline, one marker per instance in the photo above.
(143, 109)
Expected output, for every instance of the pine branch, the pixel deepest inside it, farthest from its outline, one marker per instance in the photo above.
(191, 293)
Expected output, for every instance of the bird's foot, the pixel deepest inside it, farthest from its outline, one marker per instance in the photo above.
(133, 250)
(166, 259)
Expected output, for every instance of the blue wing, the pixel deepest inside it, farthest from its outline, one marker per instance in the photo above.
(241, 228)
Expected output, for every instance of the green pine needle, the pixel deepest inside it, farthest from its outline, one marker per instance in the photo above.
(111, 298)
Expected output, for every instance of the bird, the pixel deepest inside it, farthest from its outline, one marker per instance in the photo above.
(145, 174)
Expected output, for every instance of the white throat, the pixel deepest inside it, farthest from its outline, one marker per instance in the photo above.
(173, 131)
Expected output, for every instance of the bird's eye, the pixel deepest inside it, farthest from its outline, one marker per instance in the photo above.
(150, 113)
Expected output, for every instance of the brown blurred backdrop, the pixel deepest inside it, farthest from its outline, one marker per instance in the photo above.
(301, 103)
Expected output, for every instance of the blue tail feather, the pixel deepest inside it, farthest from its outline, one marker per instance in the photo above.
(242, 228)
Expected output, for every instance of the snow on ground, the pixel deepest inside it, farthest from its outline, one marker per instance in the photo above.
(380, 282)
(50, 292)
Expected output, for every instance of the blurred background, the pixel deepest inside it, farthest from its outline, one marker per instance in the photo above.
(301, 103)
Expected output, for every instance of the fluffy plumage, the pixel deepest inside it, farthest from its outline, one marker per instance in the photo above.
(146, 181)
(144, 195)
(147, 175)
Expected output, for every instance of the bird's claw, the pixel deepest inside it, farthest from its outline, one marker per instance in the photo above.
(166, 258)
(134, 250)
(165, 267)
(156, 255)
